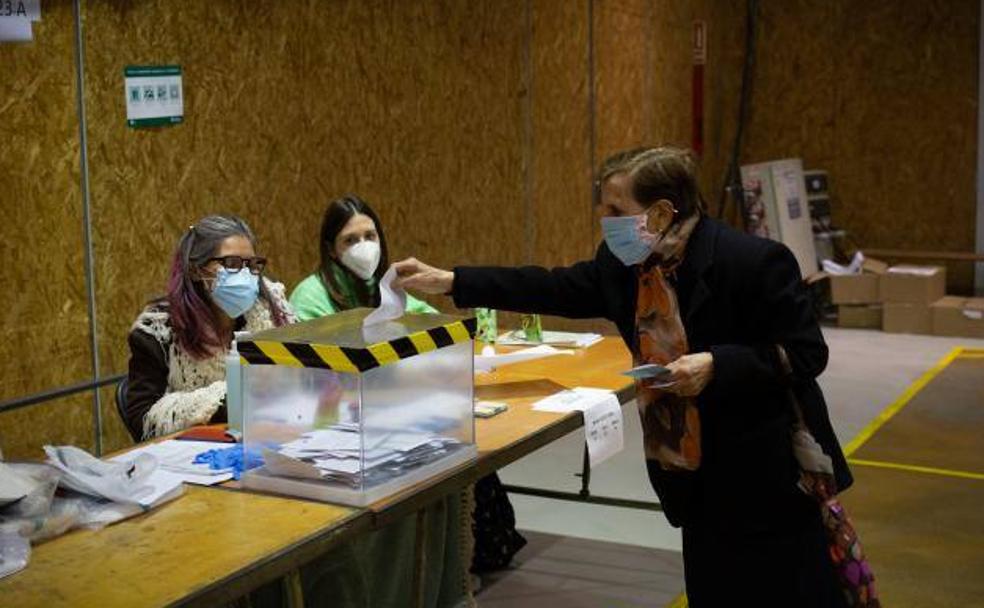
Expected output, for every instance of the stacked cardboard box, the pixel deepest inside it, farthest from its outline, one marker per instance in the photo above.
(907, 293)
(857, 296)
(957, 316)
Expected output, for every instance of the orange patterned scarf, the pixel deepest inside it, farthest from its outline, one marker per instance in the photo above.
(670, 423)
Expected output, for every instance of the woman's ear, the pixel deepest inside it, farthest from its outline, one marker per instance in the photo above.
(660, 215)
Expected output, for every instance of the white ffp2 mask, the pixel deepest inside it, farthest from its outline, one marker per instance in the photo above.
(362, 258)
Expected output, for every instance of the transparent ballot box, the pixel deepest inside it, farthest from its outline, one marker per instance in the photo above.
(337, 412)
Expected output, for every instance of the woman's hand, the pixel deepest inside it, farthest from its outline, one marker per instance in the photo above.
(414, 274)
(691, 374)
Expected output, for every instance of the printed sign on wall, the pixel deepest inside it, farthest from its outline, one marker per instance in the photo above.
(16, 17)
(154, 95)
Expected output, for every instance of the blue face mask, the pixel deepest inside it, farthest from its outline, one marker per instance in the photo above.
(628, 238)
(235, 291)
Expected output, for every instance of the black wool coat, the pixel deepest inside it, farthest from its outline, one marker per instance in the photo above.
(739, 296)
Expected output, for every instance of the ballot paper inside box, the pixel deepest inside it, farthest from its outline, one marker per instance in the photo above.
(351, 414)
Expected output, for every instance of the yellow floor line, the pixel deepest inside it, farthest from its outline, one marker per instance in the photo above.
(899, 403)
(917, 469)
(679, 602)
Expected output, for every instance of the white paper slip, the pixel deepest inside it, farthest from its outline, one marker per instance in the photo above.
(603, 429)
(279, 464)
(392, 301)
(322, 440)
(486, 363)
(573, 400)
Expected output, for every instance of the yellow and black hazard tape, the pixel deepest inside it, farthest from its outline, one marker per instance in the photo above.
(344, 359)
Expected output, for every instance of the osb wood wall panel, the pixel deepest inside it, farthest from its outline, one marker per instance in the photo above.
(561, 145)
(644, 67)
(44, 335)
(415, 106)
(623, 78)
(63, 421)
(884, 96)
(722, 85)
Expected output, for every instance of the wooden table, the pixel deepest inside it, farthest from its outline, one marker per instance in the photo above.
(204, 548)
(212, 545)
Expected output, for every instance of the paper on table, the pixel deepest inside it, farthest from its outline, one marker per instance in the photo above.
(392, 301)
(165, 486)
(573, 400)
(177, 458)
(603, 429)
(15, 29)
(485, 363)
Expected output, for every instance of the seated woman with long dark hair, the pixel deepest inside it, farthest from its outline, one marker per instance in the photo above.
(354, 257)
(178, 343)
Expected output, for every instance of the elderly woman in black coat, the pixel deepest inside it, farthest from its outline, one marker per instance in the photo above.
(711, 305)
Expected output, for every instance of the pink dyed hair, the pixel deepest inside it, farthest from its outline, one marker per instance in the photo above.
(193, 320)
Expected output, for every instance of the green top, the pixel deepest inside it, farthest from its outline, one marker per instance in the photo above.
(310, 299)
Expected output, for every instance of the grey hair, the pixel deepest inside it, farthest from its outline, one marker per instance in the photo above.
(205, 238)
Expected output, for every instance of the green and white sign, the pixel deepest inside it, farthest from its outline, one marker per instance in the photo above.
(154, 95)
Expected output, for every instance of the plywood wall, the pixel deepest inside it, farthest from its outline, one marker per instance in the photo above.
(45, 332)
(561, 143)
(883, 95)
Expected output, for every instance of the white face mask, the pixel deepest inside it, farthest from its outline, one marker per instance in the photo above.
(362, 258)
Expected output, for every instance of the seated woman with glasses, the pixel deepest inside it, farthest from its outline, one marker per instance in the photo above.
(178, 343)
(354, 258)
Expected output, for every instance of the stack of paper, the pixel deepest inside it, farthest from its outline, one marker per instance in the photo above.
(563, 339)
(333, 454)
(177, 458)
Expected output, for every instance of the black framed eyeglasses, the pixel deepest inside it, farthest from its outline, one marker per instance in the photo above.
(236, 262)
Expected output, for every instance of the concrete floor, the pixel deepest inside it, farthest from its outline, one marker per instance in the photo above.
(868, 370)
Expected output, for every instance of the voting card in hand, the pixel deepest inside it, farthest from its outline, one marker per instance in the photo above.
(652, 375)
(649, 370)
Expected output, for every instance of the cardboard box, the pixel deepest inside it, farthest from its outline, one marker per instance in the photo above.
(854, 288)
(913, 284)
(901, 318)
(864, 288)
(959, 317)
(865, 316)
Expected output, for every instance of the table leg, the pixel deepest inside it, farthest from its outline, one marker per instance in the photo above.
(293, 591)
(585, 474)
(420, 559)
